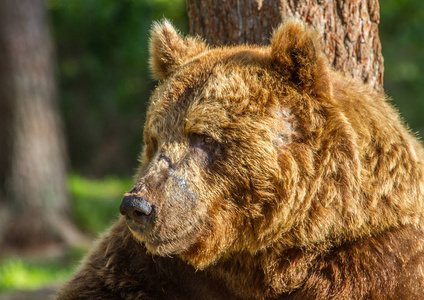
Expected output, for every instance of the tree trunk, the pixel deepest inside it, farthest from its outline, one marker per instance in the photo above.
(349, 28)
(33, 193)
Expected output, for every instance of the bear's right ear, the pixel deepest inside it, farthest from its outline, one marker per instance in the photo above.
(296, 52)
(169, 50)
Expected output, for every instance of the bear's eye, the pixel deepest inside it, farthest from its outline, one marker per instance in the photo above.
(202, 141)
(207, 140)
(204, 148)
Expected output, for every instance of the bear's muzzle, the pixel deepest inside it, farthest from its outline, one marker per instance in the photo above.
(137, 211)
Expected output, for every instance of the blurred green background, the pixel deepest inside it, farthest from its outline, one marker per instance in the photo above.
(402, 38)
(101, 49)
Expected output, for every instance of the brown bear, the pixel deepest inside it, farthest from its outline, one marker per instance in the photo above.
(265, 174)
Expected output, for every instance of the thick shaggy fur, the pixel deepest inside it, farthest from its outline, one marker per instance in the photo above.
(270, 176)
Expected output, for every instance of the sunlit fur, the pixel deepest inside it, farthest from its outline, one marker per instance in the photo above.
(315, 191)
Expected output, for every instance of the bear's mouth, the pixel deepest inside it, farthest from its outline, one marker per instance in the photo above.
(164, 246)
(142, 224)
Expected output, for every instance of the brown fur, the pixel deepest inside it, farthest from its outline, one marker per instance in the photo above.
(312, 188)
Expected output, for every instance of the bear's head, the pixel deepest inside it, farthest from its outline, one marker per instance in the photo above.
(252, 148)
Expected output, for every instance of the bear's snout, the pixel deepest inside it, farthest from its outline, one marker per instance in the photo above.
(136, 208)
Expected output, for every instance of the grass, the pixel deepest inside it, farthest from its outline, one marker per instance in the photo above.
(95, 206)
(21, 274)
(18, 274)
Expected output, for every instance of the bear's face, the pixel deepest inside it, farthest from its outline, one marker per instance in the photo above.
(229, 139)
(210, 160)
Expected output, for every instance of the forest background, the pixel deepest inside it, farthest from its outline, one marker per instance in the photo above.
(101, 49)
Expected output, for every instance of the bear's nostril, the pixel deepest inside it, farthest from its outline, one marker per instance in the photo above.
(139, 214)
(134, 205)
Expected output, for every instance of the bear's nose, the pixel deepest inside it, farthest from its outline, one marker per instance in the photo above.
(135, 207)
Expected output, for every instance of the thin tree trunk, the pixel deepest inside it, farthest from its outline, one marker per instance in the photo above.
(33, 195)
(349, 28)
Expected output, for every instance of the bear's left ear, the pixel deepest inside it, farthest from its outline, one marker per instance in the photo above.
(169, 50)
(296, 52)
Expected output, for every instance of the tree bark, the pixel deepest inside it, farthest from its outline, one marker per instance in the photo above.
(33, 194)
(349, 28)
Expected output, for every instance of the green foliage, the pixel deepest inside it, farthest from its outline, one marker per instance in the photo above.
(16, 273)
(105, 83)
(402, 37)
(96, 202)
(95, 206)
